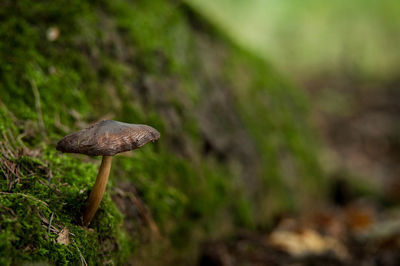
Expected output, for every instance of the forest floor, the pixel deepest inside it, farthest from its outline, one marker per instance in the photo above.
(358, 233)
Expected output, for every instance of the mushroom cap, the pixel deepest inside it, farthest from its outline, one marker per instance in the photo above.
(108, 137)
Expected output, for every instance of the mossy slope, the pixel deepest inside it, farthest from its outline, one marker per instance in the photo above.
(235, 145)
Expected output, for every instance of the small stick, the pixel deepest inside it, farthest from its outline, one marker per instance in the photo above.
(8, 209)
(51, 220)
(8, 151)
(26, 196)
(83, 261)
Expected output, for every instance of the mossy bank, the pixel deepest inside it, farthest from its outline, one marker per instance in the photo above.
(235, 146)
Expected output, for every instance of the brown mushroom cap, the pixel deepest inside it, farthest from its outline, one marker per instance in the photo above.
(108, 137)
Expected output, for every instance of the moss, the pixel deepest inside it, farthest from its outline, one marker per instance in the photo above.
(143, 62)
(49, 185)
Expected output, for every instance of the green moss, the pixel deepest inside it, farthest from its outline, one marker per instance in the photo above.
(50, 185)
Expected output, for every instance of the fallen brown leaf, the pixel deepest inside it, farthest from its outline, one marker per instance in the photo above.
(306, 242)
(63, 236)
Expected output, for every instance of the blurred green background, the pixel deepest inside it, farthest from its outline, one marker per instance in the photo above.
(345, 55)
(312, 37)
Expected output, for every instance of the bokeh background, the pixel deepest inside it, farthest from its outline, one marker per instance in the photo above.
(344, 54)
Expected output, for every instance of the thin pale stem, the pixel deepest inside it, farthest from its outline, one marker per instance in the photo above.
(99, 187)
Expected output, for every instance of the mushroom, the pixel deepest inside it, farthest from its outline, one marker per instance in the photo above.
(105, 138)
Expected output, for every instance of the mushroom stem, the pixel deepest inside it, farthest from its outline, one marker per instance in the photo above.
(99, 187)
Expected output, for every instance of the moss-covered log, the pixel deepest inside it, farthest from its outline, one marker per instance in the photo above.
(235, 147)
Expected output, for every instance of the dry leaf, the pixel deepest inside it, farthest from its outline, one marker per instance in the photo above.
(63, 236)
(306, 242)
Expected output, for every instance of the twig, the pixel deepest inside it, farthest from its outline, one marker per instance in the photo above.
(38, 108)
(8, 151)
(26, 196)
(46, 224)
(8, 209)
(51, 220)
(50, 176)
(83, 261)
(55, 189)
(7, 169)
(10, 144)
